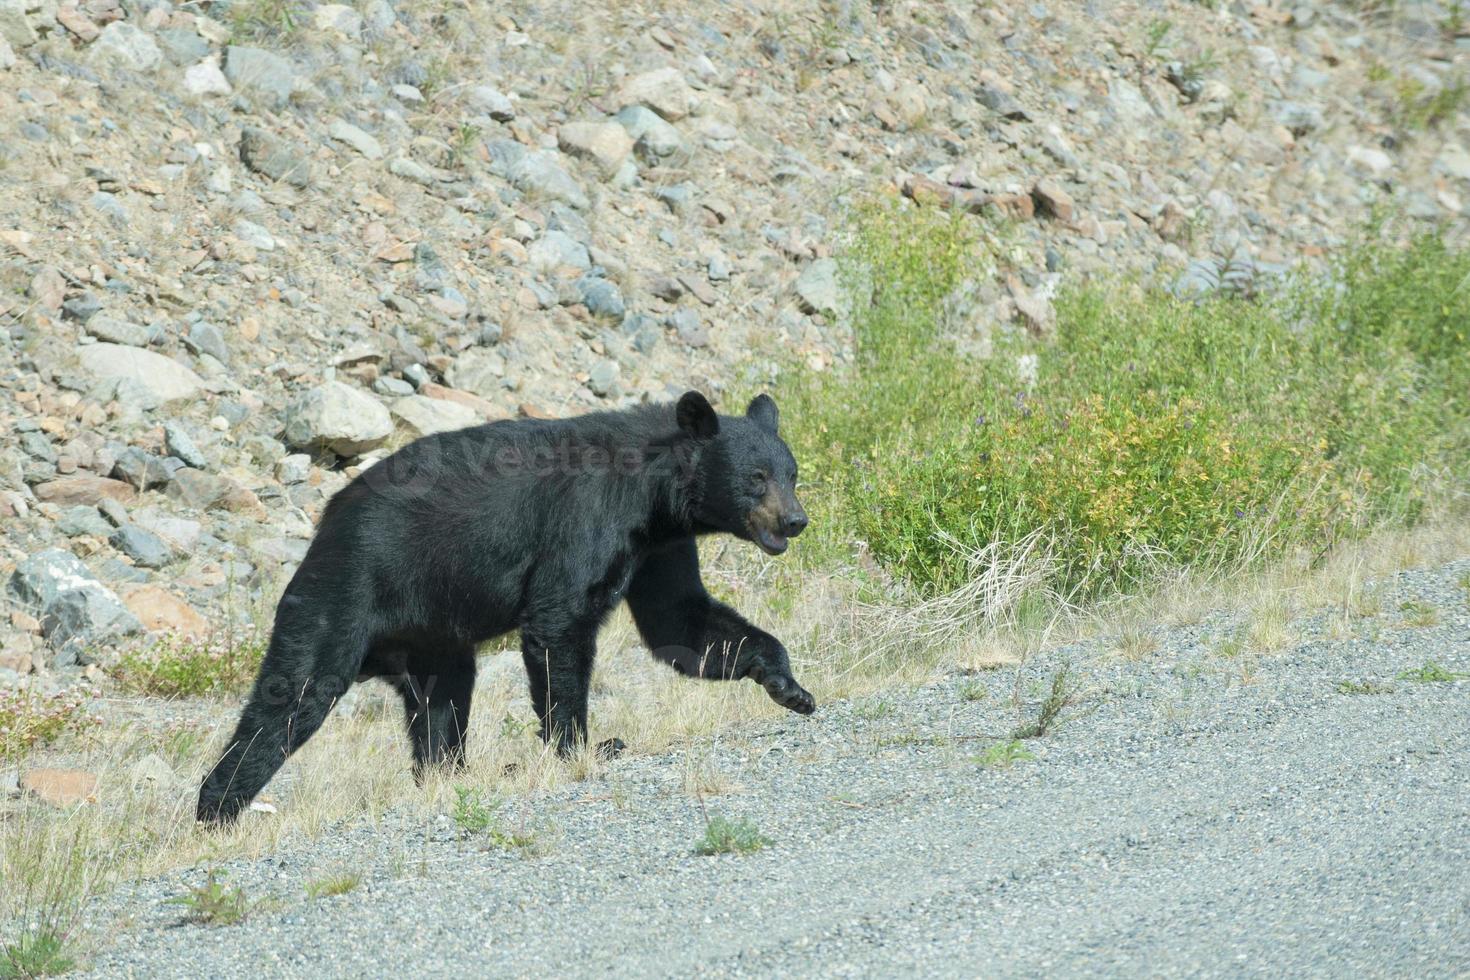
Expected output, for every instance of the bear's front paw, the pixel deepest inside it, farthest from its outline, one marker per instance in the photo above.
(610, 748)
(784, 690)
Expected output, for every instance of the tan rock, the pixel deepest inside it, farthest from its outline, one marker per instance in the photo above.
(1052, 200)
(607, 144)
(92, 490)
(158, 609)
(61, 787)
(663, 90)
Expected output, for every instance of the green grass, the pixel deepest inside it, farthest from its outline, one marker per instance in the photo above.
(1417, 612)
(1433, 673)
(1156, 433)
(1003, 755)
(1364, 687)
(178, 666)
(479, 816)
(36, 954)
(213, 903)
(29, 720)
(333, 885)
(725, 836)
(973, 690)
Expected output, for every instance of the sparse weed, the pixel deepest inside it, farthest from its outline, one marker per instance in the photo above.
(29, 720)
(477, 816)
(1134, 642)
(38, 953)
(874, 708)
(723, 835)
(1003, 755)
(1059, 697)
(1419, 613)
(1364, 687)
(1432, 673)
(973, 690)
(214, 904)
(333, 885)
(179, 666)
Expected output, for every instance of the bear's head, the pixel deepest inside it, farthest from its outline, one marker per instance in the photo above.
(746, 475)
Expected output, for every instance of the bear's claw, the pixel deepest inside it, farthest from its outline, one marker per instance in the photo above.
(790, 695)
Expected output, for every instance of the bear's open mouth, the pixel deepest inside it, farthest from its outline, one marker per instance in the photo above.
(771, 543)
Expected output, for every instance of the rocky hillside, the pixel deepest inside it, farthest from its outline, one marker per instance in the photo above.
(247, 248)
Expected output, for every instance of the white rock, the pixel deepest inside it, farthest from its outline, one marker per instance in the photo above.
(424, 416)
(337, 417)
(7, 56)
(166, 379)
(206, 78)
(1368, 161)
(338, 17)
(15, 27)
(605, 143)
(344, 132)
(478, 371)
(121, 45)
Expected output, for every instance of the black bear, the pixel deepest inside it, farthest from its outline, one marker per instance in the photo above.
(539, 525)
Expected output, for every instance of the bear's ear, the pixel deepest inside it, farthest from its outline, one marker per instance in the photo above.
(762, 411)
(696, 417)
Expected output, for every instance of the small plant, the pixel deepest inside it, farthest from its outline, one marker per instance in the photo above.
(213, 904)
(333, 885)
(512, 727)
(29, 720)
(1061, 695)
(874, 708)
(725, 836)
(1364, 687)
(1003, 755)
(973, 690)
(1417, 612)
(39, 953)
(1432, 673)
(178, 666)
(1135, 643)
(1464, 581)
(478, 816)
(1155, 34)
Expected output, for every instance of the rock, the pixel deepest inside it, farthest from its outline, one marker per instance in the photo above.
(205, 78)
(1299, 118)
(345, 132)
(555, 250)
(79, 520)
(1453, 160)
(1036, 311)
(179, 443)
(60, 787)
(205, 338)
(601, 297)
(183, 46)
(1002, 103)
(160, 610)
(338, 18)
(7, 55)
(15, 26)
(152, 773)
(663, 90)
(272, 157)
(164, 379)
(603, 379)
(254, 235)
(1051, 199)
(1128, 103)
(294, 468)
(492, 102)
(689, 329)
(478, 371)
(817, 290)
(141, 469)
(259, 72)
(145, 548)
(83, 490)
(607, 144)
(423, 416)
(121, 45)
(338, 418)
(412, 170)
(540, 173)
(654, 139)
(180, 533)
(1369, 162)
(76, 610)
(113, 330)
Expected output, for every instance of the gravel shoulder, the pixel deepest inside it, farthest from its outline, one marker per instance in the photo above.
(1192, 815)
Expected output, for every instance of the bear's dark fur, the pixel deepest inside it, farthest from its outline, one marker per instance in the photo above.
(543, 526)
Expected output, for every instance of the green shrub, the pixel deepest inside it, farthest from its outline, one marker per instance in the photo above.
(1152, 431)
(725, 836)
(178, 666)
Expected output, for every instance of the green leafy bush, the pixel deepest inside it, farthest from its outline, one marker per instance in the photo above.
(178, 666)
(1151, 431)
(29, 720)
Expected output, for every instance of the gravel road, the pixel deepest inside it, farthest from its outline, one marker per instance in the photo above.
(1192, 815)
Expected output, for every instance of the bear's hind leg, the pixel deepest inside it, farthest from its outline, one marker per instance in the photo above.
(291, 698)
(436, 700)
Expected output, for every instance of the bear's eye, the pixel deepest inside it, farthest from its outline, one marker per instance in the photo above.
(759, 478)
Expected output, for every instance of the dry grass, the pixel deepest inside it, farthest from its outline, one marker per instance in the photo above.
(844, 646)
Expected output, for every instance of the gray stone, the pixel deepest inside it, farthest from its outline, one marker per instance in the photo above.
(180, 444)
(602, 298)
(604, 143)
(338, 418)
(411, 170)
(603, 379)
(142, 469)
(817, 289)
(115, 330)
(359, 140)
(1000, 101)
(687, 325)
(654, 138)
(205, 338)
(557, 249)
(161, 379)
(1300, 118)
(76, 610)
(392, 387)
(77, 521)
(121, 45)
(261, 73)
(663, 90)
(107, 204)
(182, 46)
(1128, 103)
(146, 549)
(256, 236)
(478, 370)
(272, 157)
(492, 102)
(37, 446)
(540, 174)
(15, 26)
(294, 468)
